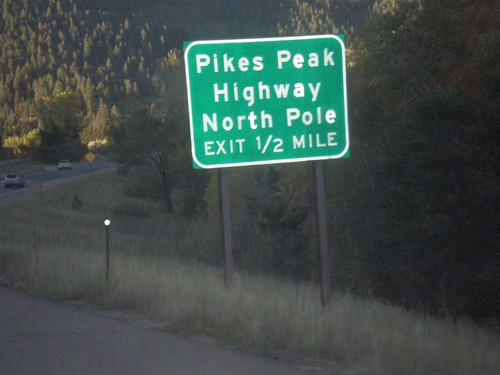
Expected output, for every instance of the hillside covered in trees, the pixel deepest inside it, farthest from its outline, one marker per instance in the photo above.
(413, 213)
(107, 53)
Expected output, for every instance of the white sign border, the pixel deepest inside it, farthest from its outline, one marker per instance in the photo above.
(257, 40)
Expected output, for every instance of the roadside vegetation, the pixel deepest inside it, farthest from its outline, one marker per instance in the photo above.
(55, 248)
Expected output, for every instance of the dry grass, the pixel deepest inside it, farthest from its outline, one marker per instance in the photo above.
(58, 251)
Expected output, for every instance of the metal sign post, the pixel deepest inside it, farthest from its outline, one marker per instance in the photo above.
(226, 227)
(322, 233)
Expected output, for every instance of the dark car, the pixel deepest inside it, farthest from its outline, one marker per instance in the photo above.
(14, 179)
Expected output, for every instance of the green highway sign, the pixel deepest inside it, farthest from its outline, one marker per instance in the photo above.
(264, 101)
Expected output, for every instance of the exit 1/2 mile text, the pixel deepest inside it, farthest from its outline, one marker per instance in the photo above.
(271, 144)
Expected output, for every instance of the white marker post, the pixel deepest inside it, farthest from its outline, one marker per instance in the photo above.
(107, 222)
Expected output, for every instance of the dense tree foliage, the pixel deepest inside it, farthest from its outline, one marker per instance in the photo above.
(142, 138)
(425, 129)
(413, 214)
(60, 124)
(108, 52)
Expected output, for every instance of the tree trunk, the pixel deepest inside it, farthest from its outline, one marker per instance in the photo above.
(168, 194)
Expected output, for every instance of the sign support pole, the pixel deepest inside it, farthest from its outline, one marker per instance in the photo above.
(319, 184)
(227, 239)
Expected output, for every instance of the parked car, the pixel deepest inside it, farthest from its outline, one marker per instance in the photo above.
(14, 179)
(64, 164)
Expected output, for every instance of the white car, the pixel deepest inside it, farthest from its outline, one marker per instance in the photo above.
(64, 164)
(14, 180)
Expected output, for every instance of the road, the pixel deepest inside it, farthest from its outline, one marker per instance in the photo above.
(50, 175)
(46, 338)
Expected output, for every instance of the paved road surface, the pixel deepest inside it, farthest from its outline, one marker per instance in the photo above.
(49, 175)
(44, 338)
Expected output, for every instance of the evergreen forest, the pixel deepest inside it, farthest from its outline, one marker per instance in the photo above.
(412, 213)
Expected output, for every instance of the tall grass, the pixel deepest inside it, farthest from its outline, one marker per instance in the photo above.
(58, 251)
